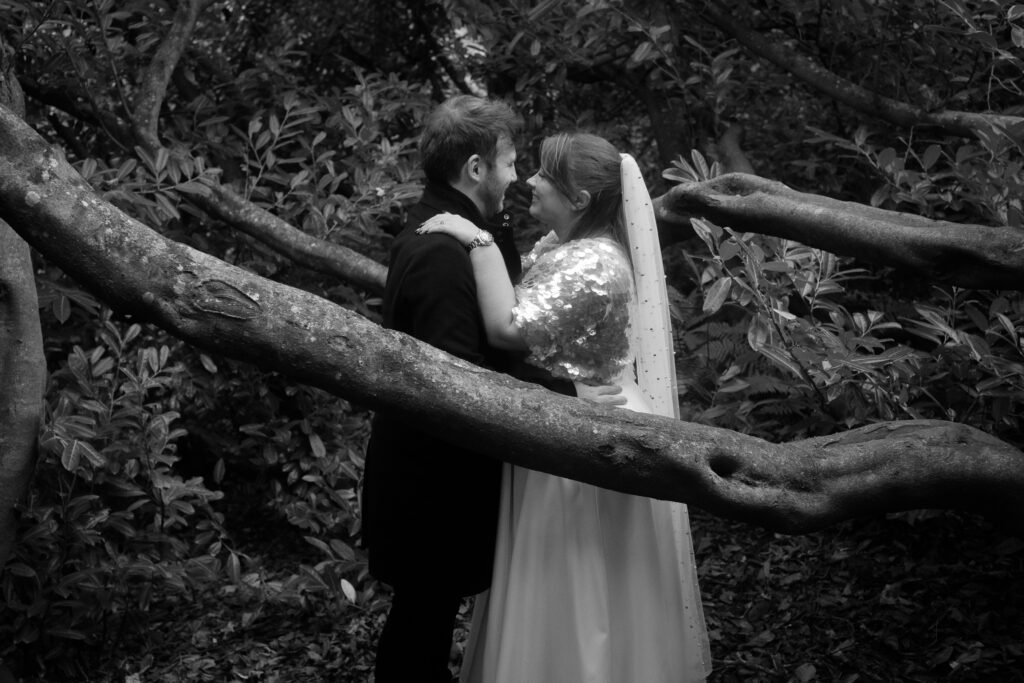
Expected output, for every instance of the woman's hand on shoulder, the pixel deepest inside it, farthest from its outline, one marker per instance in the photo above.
(458, 227)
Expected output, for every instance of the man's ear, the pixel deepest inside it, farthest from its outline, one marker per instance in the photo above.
(582, 200)
(473, 168)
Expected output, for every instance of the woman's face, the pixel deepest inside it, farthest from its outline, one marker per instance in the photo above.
(549, 206)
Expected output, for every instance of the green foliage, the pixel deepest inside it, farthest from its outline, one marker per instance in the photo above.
(826, 366)
(976, 367)
(831, 366)
(300, 451)
(329, 164)
(109, 523)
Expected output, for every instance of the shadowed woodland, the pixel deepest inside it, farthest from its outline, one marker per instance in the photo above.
(196, 204)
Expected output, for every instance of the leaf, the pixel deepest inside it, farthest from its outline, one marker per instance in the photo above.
(1010, 546)
(61, 308)
(642, 51)
(316, 542)
(234, 568)
(706, 231)
(886, 157)
(71, 456)
(757, 333)
(342, 549)
(541, 9)
(208, 363)
(317, 446)
(162, 155)
(66, 633)
(21, 569)
(348, 590)
(930, 156)
(728, 249)
(1015, 12)
(193, 187)
(805, 672)
(717, 295)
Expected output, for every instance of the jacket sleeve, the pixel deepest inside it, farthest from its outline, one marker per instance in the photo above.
(440, 293)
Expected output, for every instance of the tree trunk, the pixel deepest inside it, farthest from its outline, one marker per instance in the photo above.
(792, 487)
(22, 365)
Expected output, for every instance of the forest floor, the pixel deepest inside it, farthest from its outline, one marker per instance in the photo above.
(909, 597)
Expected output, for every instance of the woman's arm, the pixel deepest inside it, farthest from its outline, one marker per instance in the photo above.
(495, 294)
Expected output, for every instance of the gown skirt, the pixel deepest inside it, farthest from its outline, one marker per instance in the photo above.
(589, 586)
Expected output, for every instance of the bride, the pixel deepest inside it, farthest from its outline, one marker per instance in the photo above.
(590, 585)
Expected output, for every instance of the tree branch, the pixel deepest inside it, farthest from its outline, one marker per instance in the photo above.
(66, 102)
(975, 256)
(310, 252)
(223, 203)
(792, 487)
(965, 124)
(152, 82)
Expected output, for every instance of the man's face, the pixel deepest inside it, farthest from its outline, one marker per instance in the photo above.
(495, 178)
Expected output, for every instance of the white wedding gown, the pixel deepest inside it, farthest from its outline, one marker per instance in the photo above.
(589, 585)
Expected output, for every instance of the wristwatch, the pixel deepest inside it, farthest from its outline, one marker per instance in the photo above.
(482, 239)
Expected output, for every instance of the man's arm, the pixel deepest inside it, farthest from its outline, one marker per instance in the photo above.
(440, 294)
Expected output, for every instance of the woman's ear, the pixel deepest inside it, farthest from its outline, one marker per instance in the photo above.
(582, 200)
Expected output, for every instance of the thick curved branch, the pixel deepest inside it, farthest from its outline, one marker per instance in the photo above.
(965, 124)
(792, 487)
(152, 82)
(310, 252)
(975, 256)
(224, 204)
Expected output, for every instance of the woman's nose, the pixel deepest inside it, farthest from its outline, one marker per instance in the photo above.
(532, 180)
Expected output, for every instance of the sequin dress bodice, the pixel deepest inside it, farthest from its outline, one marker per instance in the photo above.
(573, 308)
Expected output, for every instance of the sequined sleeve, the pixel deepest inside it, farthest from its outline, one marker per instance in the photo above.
(573, 310)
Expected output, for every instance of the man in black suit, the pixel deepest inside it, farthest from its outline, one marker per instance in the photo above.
(430, 509)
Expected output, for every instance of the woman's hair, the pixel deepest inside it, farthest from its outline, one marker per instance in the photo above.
(460, 127)
(581, 161)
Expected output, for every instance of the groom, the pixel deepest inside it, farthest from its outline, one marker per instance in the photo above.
(430, 509)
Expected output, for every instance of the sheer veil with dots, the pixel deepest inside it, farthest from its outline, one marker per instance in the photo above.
(653, 348)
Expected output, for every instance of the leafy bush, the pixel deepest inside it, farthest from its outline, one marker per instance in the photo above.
(298, 451)
(822, 364)
(108, 523)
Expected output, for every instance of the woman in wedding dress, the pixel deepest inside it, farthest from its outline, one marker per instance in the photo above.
(589, 585)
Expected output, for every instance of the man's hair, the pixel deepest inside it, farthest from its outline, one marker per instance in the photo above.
(461, 127)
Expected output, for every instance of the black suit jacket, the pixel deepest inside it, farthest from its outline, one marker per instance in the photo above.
(430, 509)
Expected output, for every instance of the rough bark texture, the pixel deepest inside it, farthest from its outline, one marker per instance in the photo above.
(962, 123)
(149, 98)
(975, 256)
(792, 487)
(22, 365)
